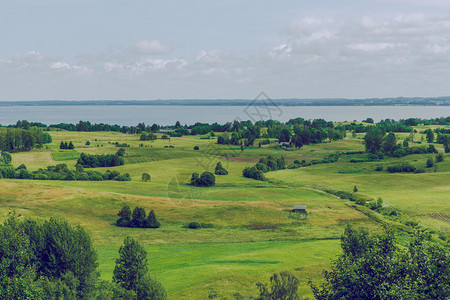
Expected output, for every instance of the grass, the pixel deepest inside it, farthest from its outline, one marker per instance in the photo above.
(252, 235)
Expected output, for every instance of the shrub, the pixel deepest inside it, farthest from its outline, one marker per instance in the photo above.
(379, 168)
(429, 163)
(145, 177)
(405, 167)
(194, 225)
(196, 148)
(123, 177)
(439, 157)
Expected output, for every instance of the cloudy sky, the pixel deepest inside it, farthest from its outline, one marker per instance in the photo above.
(144, 49)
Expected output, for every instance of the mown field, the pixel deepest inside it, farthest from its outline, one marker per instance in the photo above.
(253, 234)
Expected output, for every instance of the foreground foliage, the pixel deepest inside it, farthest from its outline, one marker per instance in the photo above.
(372, 266)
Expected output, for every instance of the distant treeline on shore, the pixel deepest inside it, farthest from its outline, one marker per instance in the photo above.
(427, 101)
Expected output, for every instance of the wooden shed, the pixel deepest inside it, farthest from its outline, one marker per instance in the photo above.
(299, 209)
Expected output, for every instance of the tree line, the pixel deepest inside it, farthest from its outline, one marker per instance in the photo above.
(60, 172)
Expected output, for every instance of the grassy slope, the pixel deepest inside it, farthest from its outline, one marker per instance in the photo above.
(232, 256)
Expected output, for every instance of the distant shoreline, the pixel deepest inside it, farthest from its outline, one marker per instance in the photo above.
(416, 101)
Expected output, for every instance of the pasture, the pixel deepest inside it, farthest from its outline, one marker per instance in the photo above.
(253, 233)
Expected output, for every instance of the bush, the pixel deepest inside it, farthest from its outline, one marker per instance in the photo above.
(429, 163)
(379, 168)
(145, 177)
(123, 177)
(439, 157)
(220, 170)
(194, 225)
(253, 172)
(196, 148)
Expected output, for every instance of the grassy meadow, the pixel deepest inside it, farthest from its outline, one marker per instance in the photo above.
(253, 234)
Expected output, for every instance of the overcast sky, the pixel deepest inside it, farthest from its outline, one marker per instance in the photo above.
(144, 49)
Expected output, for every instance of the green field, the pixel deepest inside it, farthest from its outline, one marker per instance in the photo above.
(253, 233)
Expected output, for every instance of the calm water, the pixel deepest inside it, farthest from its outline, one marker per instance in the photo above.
(168, 115)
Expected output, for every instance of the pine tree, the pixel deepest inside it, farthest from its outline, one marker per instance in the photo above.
(152, 221)
(138, 217)
(125, 217)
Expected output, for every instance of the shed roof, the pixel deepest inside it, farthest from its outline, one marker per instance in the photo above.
(299, 206)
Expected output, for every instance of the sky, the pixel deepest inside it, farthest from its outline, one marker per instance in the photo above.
(145, 49)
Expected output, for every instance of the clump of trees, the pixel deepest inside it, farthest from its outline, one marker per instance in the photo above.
(220, 170)
(65, 145)
(148, 136)
(377, 143)
(371, 266)
(16, 140)
(55, 260)
(103, 160)
(137, 219)
(266, 164)
(206, 179)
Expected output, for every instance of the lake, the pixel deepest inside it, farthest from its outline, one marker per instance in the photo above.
(169, 114)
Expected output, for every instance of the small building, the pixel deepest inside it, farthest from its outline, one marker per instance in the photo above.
(299, 209)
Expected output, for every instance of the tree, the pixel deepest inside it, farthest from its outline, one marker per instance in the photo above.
(429, 135)
(439, 157)
(6, 157)
(149, 288)
(71, 146)
(285, 136)
(67, 251)
(131, 266)
(151, 221)
(355, 189)
(446, 143)
(389, 143)
(194, 178)
(145, 177)
(429, 162)
(283, 286)
(373, 139)
(138, 217)
(125, 217)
